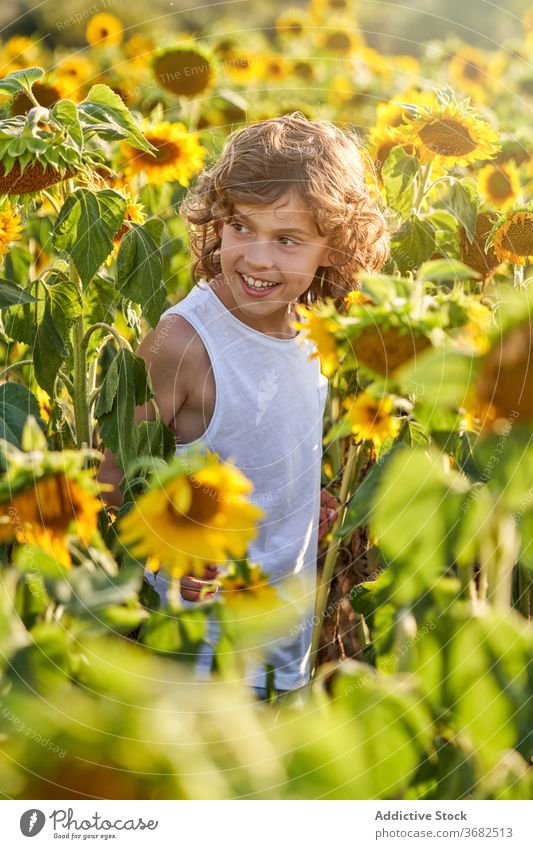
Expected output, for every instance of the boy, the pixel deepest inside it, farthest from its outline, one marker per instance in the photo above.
(284, 217)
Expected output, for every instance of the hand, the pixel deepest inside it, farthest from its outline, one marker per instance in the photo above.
(195, 589)
(328, 513)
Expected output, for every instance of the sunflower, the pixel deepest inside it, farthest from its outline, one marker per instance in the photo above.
(303, 68)
(185, 70)
(34, 178)
(339, 40)
(500, 184)
(292, 23)
(46, 92)
(383, 350)
(475, 254)
(391, 112)
(179, 155)
(242, 66)
(104, 30)
(323, 9)
(193, 518)
(381, 141)
(73, 74)
(513, 238)
(246, 587)
(273, 68)
(371, 418)
(356, 298)
(468, 70)
(505, 384)
(450, 135)
(321, 330)
(10, 228)
(47, 512)
(138, 46)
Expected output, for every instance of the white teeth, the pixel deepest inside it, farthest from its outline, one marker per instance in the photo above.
(258, 284)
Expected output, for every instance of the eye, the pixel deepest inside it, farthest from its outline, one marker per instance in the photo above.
(237, 226)
(287, 241)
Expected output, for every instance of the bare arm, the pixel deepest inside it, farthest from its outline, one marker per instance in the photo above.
(167, 351)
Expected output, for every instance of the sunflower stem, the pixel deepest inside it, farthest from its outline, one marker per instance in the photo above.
(14, 366)
(423, 188)
(500, 562)
(350, 473)
(518, 276)
(122, 343)
(82, 414)
(525, 584)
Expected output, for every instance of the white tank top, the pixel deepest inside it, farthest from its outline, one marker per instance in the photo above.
(270, 399)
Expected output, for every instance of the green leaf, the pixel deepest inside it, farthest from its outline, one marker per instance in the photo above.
(399, 174)
(176, 632)
(103, 107)
(416, 519)
(125, 386)
(413, 244)
(476, 671)
(439, 380)
(156, 439)
(20, 81)
(464, 203)
(11, 294)
(446, 233)
(17, 264)
(85, 228)
(21, 320)
(140, 268)
(66, 114)
(16, 404)
(361, 502)
(438, 270)
(52, 341)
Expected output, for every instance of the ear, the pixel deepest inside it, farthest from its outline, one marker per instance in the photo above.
(328, 258)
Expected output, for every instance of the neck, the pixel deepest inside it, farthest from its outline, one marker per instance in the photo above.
(277, 324)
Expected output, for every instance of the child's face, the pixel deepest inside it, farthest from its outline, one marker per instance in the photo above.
(275, 244)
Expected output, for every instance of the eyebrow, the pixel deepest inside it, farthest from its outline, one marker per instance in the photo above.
(279, 230)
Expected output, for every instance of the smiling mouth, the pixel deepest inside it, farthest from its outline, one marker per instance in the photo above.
(258, 282)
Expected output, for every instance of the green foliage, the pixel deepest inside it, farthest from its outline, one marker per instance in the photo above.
(463, 203)
(140, 268)
(399, 174)
(125, 386)
(85, 228)
(16, 402)
(413, 243)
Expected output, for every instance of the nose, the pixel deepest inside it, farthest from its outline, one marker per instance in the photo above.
(259, 255)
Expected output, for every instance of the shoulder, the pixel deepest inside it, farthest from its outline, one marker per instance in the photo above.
(172, 342)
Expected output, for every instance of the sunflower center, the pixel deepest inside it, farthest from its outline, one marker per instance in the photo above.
(338, 41)
(499, 186)
(472, 72)
(167, 151)
(205, 504)
(337, 4)
(295, 27)
(519, 237)
(55, 507)
(104, 32)
(447, 137)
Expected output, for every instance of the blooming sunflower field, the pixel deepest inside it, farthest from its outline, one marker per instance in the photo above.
(422, 642)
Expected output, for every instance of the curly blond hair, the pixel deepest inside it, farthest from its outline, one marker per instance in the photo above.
(261, 162)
